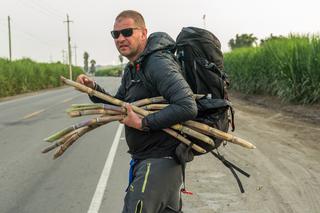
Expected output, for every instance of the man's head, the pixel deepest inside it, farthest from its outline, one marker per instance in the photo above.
(130, 34)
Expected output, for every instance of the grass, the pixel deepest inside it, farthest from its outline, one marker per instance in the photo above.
(112, 71)
(285, 67)
(25, 75)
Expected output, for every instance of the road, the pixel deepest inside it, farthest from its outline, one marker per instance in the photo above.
(285, 167)
(31, 182)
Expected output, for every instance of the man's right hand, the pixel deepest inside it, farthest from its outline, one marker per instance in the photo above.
(85, 80)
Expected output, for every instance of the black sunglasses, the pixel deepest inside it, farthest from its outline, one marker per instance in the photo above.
(125, 32)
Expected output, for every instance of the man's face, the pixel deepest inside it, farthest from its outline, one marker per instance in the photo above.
(130, 46)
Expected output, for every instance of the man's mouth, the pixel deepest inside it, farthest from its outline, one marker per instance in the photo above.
(123, 46)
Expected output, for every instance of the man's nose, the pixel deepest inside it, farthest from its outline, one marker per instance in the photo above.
(121, 37)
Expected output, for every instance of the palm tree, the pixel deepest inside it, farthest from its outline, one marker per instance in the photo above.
(85, 62)
(243, 40)
(93, 66)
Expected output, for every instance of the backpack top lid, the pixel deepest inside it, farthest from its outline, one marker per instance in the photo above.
(203, 42)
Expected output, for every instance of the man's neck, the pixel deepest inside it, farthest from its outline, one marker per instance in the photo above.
(134, 58)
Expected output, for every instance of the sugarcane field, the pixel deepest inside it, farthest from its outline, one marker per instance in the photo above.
(193, 107)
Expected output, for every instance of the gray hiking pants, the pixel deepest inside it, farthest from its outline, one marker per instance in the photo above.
(155, 187)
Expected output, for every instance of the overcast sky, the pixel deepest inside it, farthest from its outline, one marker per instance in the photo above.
(38, 31)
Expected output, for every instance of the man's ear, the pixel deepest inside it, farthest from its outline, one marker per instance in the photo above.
(145, 33)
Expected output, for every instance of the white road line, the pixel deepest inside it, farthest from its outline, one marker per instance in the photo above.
(102, 184)
(33, 114)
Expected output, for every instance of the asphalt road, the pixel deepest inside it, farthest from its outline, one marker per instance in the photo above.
(285, 172)
(32, 182)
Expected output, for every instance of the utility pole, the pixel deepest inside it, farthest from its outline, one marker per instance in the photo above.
(204, 21)
(75, 54)
(69, 47)
(9, 30)
(63, 57)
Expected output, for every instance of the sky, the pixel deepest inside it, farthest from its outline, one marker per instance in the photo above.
(40, 33)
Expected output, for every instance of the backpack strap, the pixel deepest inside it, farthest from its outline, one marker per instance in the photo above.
(183, 155)
(232, 167)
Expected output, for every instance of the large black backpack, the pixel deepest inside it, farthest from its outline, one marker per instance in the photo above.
(199, 53)
(201, 58)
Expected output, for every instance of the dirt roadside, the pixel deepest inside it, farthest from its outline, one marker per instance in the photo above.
(285, 167)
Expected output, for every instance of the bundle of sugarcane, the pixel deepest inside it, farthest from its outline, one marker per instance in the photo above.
(116, 111)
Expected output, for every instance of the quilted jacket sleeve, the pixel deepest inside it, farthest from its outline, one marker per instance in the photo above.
(165, 75)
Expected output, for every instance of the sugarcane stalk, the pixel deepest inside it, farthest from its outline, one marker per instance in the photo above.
(93, 112)
(220, 134)
(198, 96)
(136, 109)
(193, 133)
(86, 112)
(85, 105)
(146, 101)
(78, 134)
(84, 108)
(59, 134)
(158, 100)
(184, 140)
(96, 106)
(60, 141)
(143, 112)
(154, 106)
(98, 94)
(67, 144)
(93, 121)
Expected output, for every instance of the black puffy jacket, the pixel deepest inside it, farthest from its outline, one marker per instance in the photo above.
(157, 66)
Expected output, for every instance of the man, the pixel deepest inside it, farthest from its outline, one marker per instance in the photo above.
(151, 71)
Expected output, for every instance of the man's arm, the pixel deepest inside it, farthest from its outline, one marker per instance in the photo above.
(166, 77)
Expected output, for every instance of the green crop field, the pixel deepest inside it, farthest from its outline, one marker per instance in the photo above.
(110, 71)
(25, 75)
(285, 67)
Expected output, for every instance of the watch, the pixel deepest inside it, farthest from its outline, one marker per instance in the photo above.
(144, 125)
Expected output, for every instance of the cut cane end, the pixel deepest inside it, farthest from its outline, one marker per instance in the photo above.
(45, 150)
(50, 140)
(55, 156)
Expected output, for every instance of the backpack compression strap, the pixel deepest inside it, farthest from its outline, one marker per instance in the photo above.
(232, 167)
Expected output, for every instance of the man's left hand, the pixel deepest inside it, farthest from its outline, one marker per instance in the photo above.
(132, 119)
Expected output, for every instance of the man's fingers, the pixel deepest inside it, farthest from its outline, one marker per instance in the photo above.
(79, 80)
(83, 79)
(129, 108)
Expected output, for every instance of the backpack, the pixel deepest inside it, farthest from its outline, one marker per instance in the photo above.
(199, 53)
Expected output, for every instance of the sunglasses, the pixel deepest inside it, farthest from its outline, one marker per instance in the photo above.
(125, 32)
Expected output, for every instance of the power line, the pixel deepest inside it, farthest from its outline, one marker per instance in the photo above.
(48, 8)
(34, 37)
(17, 30)
(39, 9)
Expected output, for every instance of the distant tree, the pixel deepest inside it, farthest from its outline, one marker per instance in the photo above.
(86, 62)
(93, 66)
(243, 40)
